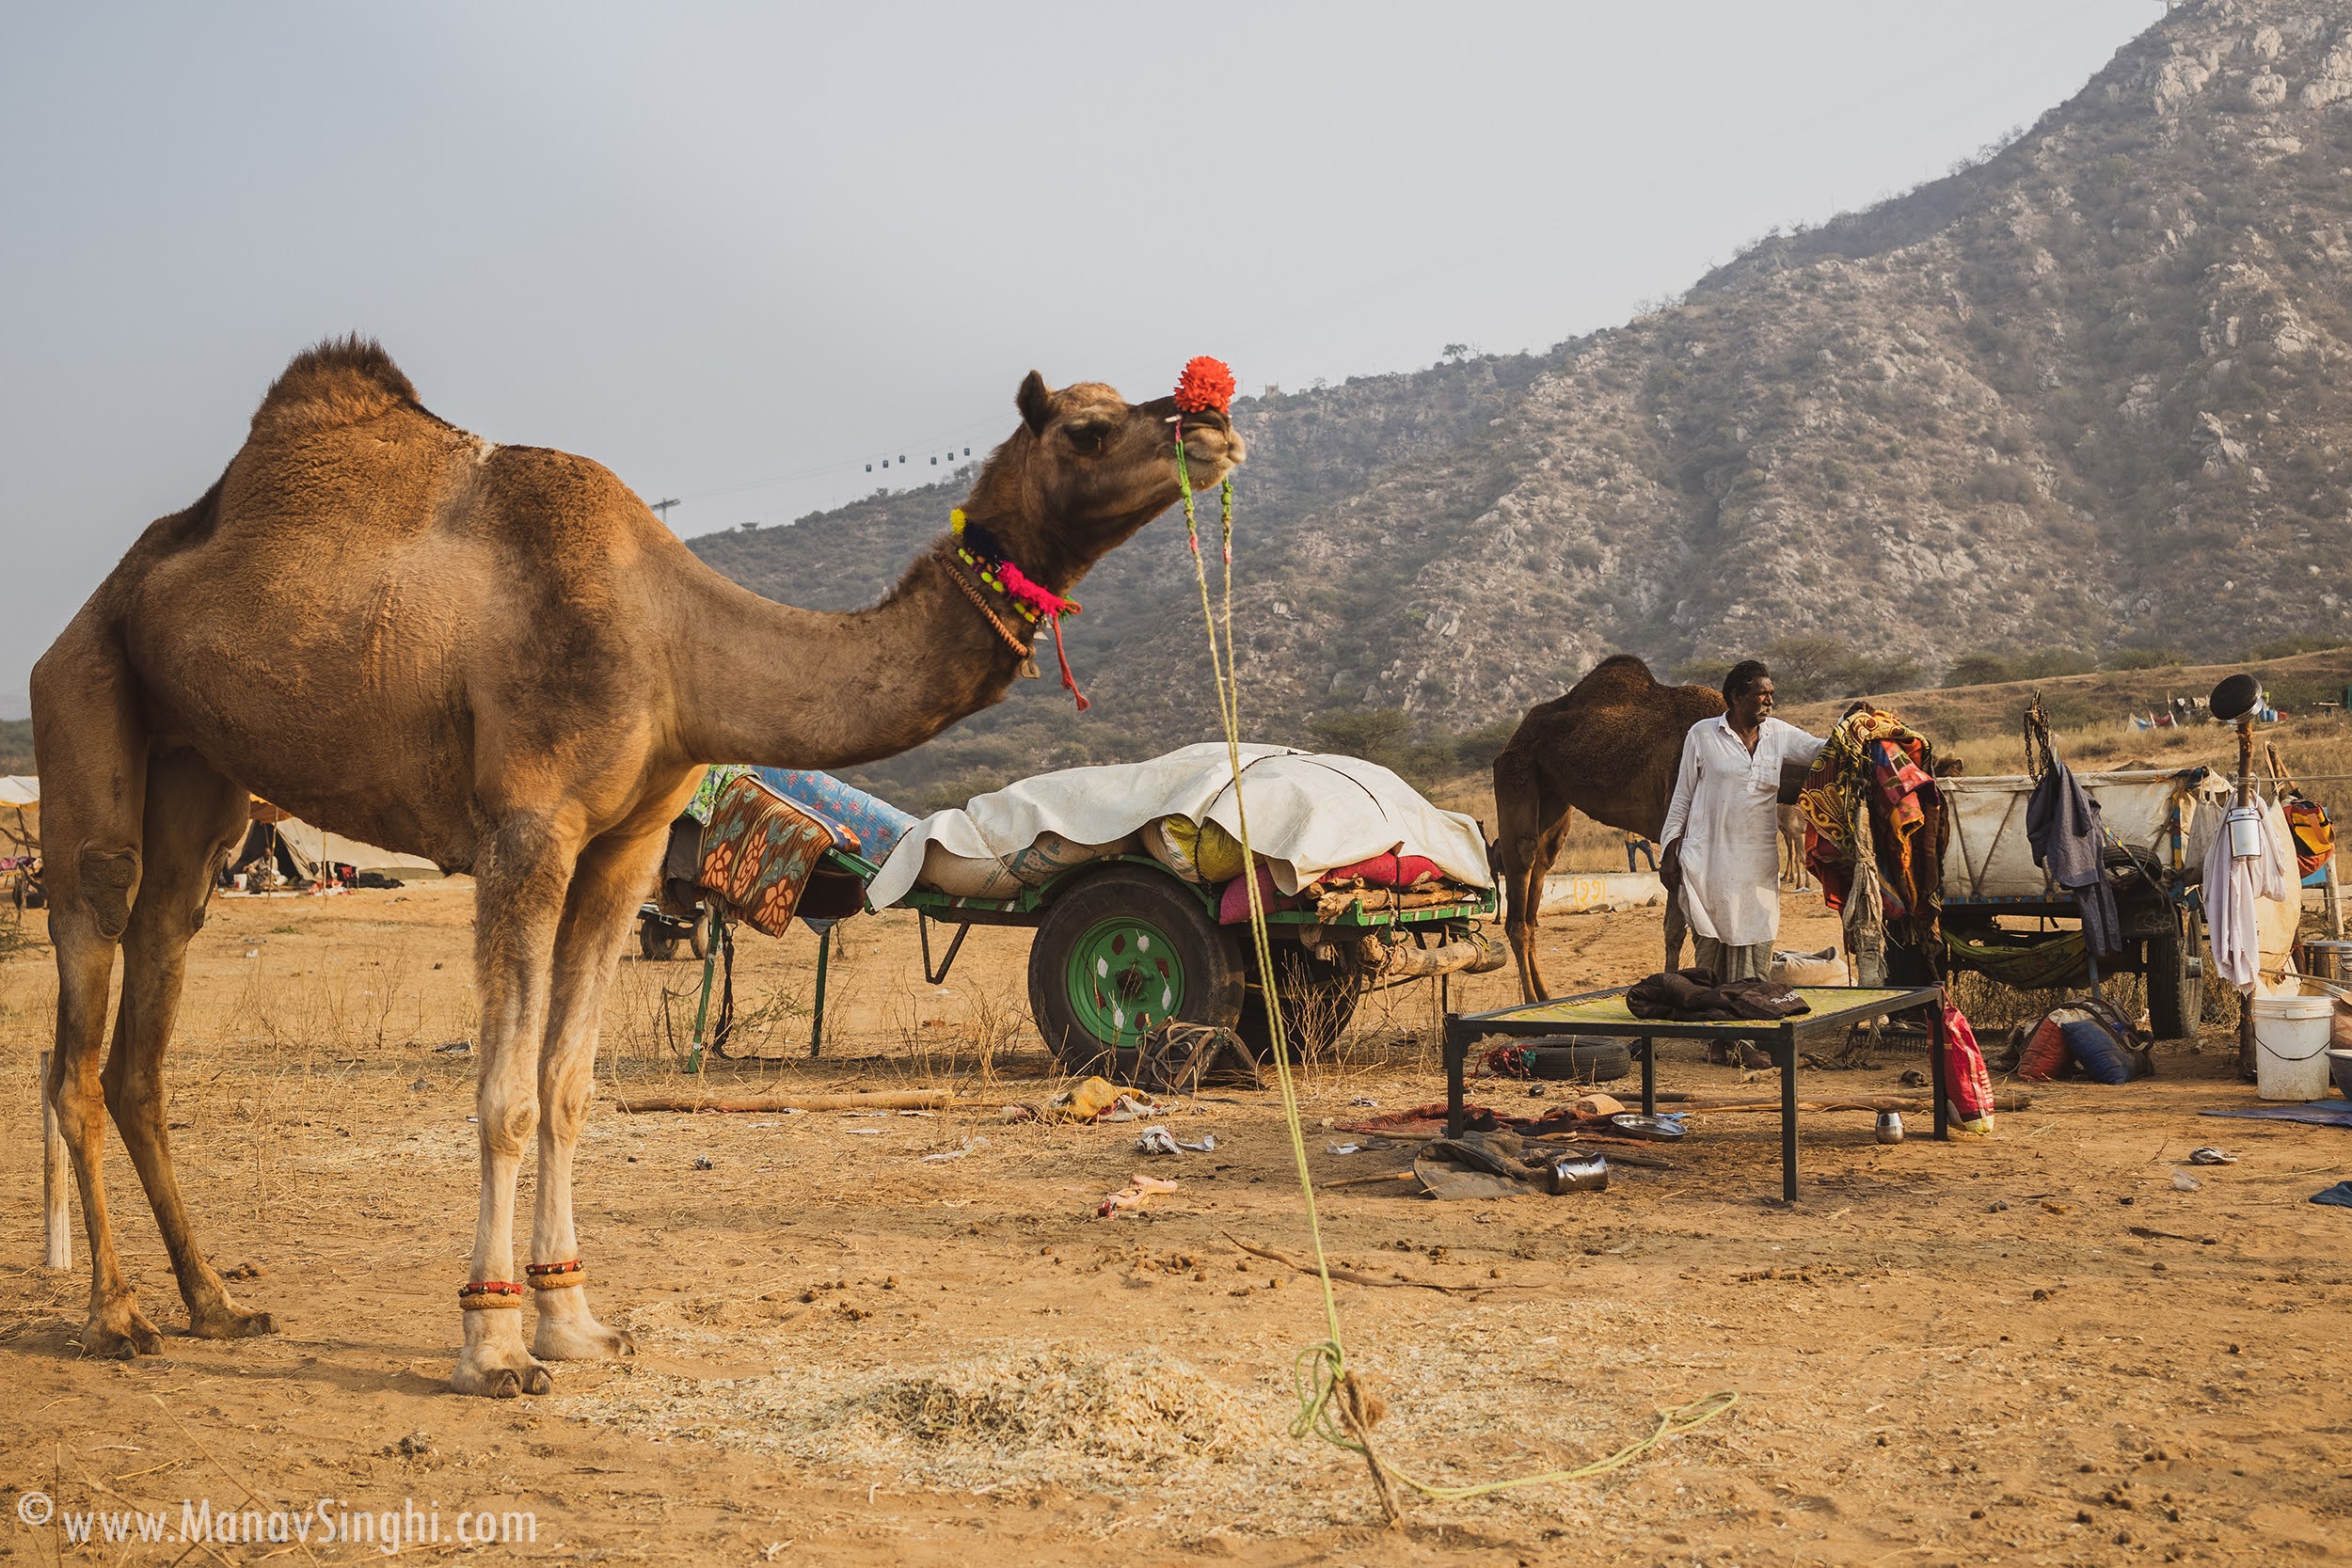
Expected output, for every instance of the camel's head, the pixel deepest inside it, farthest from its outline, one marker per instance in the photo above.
(1101, 467)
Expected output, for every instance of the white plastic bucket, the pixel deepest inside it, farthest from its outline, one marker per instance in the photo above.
(2292, 1035)
(2246, 832)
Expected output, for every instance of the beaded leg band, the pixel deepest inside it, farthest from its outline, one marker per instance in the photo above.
(555, 1276)
(487, 1296)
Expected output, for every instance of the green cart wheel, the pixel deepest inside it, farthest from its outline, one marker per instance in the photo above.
(1126, 948)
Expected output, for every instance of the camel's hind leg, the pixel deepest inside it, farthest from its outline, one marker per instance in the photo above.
(194, 816)
(93, 765)
(1525, 848)
(609, 882)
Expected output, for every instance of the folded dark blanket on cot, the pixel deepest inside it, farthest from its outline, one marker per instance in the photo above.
(1695, 996)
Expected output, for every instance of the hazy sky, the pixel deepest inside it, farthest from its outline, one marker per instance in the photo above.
(737, 252)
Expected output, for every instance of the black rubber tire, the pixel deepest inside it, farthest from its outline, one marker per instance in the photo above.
(1571, 1058)
(2177, 980)
(1210, 955)
(657, 949)
(1318, 1002)
(699, 939)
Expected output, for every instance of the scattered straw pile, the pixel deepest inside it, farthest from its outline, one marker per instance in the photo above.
(1047, 1418)
(1176, 1449)
(1141, 1412)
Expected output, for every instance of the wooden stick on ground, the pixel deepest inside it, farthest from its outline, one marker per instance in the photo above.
(1354, 1278)
(880, 1099)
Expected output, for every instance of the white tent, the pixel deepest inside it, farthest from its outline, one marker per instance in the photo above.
(20, 815)
(324, 848)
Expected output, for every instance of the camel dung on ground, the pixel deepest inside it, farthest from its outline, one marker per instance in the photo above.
(498, 658)
(1611, 748)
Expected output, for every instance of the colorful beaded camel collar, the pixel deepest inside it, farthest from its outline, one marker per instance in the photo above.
(979, 554)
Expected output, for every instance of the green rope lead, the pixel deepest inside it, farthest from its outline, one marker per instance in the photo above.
(1320, 1370)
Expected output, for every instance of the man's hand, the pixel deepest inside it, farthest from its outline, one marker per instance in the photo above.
(1670, 866)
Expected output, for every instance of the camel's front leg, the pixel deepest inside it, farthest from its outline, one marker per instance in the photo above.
(610, 883)
(522, 877)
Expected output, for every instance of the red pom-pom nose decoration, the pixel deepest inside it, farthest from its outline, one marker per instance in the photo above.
(1206, 384)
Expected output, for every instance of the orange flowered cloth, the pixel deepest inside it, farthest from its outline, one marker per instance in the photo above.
(758, 853)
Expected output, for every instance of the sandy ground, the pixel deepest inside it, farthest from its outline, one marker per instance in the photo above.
(2030, 1348)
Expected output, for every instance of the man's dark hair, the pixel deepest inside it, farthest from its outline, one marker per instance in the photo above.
(1742, 679)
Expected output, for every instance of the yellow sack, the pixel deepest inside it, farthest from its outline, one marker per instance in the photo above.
(1197, 852)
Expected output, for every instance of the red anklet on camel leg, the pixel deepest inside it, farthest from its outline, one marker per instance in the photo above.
(555, 1276)
(486, 1295)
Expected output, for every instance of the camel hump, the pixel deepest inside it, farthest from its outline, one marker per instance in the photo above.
(1619, 674)
(340, 382)
(1619, 680)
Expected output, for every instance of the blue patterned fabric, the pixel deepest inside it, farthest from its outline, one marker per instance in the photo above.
(875, 825)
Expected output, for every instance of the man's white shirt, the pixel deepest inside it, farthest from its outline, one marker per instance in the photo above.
(1725, 813)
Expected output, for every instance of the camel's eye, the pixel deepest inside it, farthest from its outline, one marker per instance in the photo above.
(1089, 438)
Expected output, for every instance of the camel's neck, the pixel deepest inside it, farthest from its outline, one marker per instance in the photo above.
(773, 685)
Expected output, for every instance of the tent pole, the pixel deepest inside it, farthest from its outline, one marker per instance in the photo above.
(2246, 1001)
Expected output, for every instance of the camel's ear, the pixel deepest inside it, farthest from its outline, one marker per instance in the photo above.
(1035, 403)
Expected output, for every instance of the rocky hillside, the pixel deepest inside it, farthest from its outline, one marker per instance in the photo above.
(2089, 395)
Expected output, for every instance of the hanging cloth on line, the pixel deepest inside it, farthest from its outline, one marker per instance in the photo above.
(2069, 839)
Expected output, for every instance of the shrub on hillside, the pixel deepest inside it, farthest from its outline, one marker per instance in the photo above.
(1808, 669)
(1376, 735)
(1479, 748)
(1992, 668)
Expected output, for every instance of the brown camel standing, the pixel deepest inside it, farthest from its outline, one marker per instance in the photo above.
(1610, 748)
(1789, 823)
(495, 657)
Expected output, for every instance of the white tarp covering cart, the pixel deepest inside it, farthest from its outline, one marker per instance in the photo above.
(2157, 824)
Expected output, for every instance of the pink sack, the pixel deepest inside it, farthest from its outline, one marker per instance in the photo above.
(1969, 1085)
(1233, 904)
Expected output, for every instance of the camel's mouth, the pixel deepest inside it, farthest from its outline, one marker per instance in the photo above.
(1208, 445)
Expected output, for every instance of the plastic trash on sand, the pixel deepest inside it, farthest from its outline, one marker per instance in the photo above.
(1159, 1140)
(969, 1144)
(1139, 1190)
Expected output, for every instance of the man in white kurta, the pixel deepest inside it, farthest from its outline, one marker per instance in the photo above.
(1726, 815)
